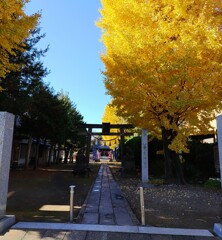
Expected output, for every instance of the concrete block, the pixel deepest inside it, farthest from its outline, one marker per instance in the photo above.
(6, 223)
(175, 231)
(218, 229)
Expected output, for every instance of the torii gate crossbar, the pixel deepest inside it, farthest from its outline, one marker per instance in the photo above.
(121, 127)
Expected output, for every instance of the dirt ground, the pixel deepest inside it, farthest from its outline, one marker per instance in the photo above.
(44, 194)
(174, 206)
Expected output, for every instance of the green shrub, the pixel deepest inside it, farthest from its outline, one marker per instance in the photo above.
(156, 161)
(199, 162)
(157, 181)
(212, 183)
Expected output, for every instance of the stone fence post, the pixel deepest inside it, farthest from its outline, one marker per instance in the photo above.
(6, 135)
(144, 150)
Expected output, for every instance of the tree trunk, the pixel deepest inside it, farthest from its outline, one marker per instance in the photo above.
(71, 155)
(50, 156)
(173, 166)
(45, 153)
(54, 154)
(28, 152)
(58, 154)
(67, 150)
(36, 155)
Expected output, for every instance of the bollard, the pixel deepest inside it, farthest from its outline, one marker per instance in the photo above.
(142, 206)
(71, 201)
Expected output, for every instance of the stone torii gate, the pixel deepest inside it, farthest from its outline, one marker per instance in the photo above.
(106, 131)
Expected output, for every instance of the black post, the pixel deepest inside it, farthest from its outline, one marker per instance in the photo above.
(89, 135)
(121, 143)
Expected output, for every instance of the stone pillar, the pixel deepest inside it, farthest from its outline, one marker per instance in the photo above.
(219, 140)
(144, 160)
(6, 134)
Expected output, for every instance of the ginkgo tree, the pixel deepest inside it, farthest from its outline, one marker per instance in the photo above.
(163, 68)
(110, 116)
(15, 27)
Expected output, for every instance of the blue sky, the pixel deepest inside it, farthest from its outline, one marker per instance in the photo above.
(74, 52)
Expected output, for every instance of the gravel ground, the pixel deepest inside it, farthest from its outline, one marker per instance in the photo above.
(174, 206)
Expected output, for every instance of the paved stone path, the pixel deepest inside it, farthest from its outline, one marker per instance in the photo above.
(106, 216)
(106, 204)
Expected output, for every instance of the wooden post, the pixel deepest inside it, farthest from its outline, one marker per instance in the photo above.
(144, 160)
(142, 206)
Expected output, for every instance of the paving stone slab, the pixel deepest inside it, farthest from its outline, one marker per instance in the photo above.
(106, 209)
(122, 216)
(90, 218)
(137, 236)
(120, 210)
(93, 201)
(92, 205)
(183, 238)
(96, 189)
(34, 235)
(13, 234)
(107, 199)
(117, 195)
(91, 209)
(105, 190)
(123, 219)
(105, 182)
(105, 204)
(75, 235)
(96, 235)
(118, 236)
(113, 185)
(161, 237)
(52, 234)
(95, 194)
(105, 194)
(107, 219)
